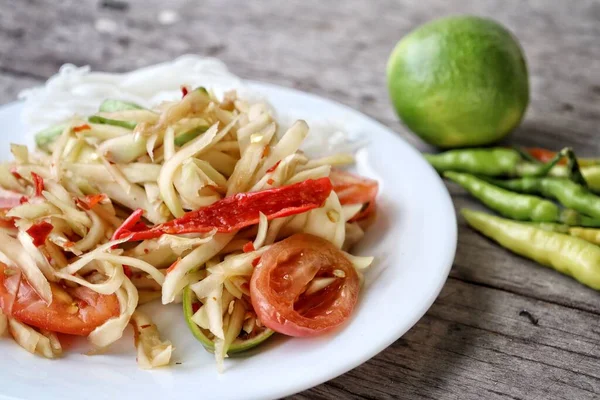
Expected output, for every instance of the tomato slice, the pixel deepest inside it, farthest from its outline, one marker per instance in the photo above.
(73, 311)
(354, 189)
(285, 271)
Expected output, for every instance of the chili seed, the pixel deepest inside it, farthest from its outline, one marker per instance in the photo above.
(339, 273)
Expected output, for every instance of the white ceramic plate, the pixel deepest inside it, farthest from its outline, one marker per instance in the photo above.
(413, 239)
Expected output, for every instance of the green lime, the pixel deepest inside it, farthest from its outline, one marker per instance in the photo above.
(459, 81)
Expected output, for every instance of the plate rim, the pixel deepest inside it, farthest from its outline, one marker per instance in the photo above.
(451, 231)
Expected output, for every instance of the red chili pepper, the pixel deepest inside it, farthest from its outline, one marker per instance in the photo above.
(23, 200)
(139, 226)
(127, 271)
(184, 92)
(543, 155)
(248, 247)
(242, 210)
(256, 261)
(195, 307)
(82, 204)
(274, 166)
(38, 182)
(93, 199)
(128, 224)
(84, 127)
(14, 172)
(174, 265)
(266, 151)
(89, 201)
(270, 181)
(39, 232)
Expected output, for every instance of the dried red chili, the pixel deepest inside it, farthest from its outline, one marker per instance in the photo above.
(128, 225)
(242, 210)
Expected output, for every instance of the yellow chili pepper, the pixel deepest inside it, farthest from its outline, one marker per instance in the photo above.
(566, 254)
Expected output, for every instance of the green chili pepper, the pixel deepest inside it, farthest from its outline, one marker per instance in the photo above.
(566, 254)
(566, 192)
(96, 119)
(239, 345)
(112, 105)
(591, 174)
(490, 162)
(522, 207)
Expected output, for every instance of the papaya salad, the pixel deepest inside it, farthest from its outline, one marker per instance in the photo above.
(200, 201)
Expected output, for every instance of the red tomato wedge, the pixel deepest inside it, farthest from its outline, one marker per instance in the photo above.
(278, 286)
(243, 209)
(354, 189)
(73, 311)
(9, 199)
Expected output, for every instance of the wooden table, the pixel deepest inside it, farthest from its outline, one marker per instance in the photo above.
(473, 343)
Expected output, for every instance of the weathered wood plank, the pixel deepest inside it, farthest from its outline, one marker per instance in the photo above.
(481, 261)
(320, 47)
(472, 344)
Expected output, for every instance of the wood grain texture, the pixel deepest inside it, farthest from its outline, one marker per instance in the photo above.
(472, 344)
